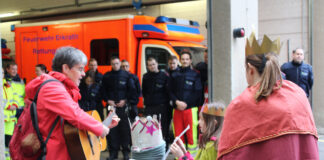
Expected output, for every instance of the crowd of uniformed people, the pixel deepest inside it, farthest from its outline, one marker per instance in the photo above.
(161, 90)
(121, 89)
(175, 93)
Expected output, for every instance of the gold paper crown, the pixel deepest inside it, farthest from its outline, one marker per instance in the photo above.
(253, 47)
(215, 109)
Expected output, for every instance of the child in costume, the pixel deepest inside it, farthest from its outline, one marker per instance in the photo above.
(147, 139)
(210, 120)
(271, 118)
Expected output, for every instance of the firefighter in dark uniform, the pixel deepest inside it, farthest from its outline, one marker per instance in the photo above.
(90, 93)
(155, 89)
(132, 110)
(119, 89)
(185, 92)
(298, 71)
(93, 67)
(173, 65)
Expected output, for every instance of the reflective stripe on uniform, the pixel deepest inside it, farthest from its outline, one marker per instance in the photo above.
(7, 154)
(4, 103)
(193, 151)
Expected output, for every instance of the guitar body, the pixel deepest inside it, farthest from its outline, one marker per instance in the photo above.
(84, 145)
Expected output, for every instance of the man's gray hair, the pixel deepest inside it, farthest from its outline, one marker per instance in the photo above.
(68, 55)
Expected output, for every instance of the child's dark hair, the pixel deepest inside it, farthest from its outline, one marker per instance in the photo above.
(213, 123)
(90, 74)
(42, 67)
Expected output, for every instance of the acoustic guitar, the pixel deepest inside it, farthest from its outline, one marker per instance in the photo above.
(84, 145)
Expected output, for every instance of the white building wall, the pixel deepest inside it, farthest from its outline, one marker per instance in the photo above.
(288, 20)
(193, 10)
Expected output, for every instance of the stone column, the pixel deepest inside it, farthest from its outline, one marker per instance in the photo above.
(226, 53)
(2, 140)
(318, 64)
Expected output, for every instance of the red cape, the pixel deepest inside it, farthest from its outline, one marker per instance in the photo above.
(285, 111)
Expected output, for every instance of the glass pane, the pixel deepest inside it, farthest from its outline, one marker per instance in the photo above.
(103, 49)
(160, 54)
(197, 53)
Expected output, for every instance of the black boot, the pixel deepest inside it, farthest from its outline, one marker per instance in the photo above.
(113, 155)
(126, 156)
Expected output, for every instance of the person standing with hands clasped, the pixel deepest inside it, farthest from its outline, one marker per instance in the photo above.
(185, 92)
(119, 90)
(155, 86)
(210, 120)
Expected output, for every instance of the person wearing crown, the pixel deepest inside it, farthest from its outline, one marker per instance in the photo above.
(210, 120)
(272, 118)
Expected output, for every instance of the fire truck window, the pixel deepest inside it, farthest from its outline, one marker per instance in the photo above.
(161, 55)
(103, 49)
(197, 53)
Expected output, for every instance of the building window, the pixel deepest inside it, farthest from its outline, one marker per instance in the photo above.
(103, 49)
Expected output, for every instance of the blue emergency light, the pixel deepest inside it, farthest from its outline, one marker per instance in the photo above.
(163, 19)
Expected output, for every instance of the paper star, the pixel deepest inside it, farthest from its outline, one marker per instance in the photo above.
(150, 130)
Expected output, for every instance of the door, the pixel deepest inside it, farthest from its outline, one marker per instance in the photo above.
(28, 55)
(160, 50)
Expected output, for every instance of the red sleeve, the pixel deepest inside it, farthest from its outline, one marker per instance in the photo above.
(56, 99)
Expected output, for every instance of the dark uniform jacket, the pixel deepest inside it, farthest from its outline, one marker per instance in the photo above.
(300, 74)
(137, 85)
(202, 67)
(98, 77)
(118, 85)
(185, 85)
(171, 71)
(155, 88)
(90, 97)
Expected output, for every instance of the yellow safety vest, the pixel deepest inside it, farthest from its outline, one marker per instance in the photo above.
(19, 92)
(9, 101)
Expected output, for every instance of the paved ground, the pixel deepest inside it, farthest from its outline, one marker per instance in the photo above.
(105, 155)
(321, 147)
